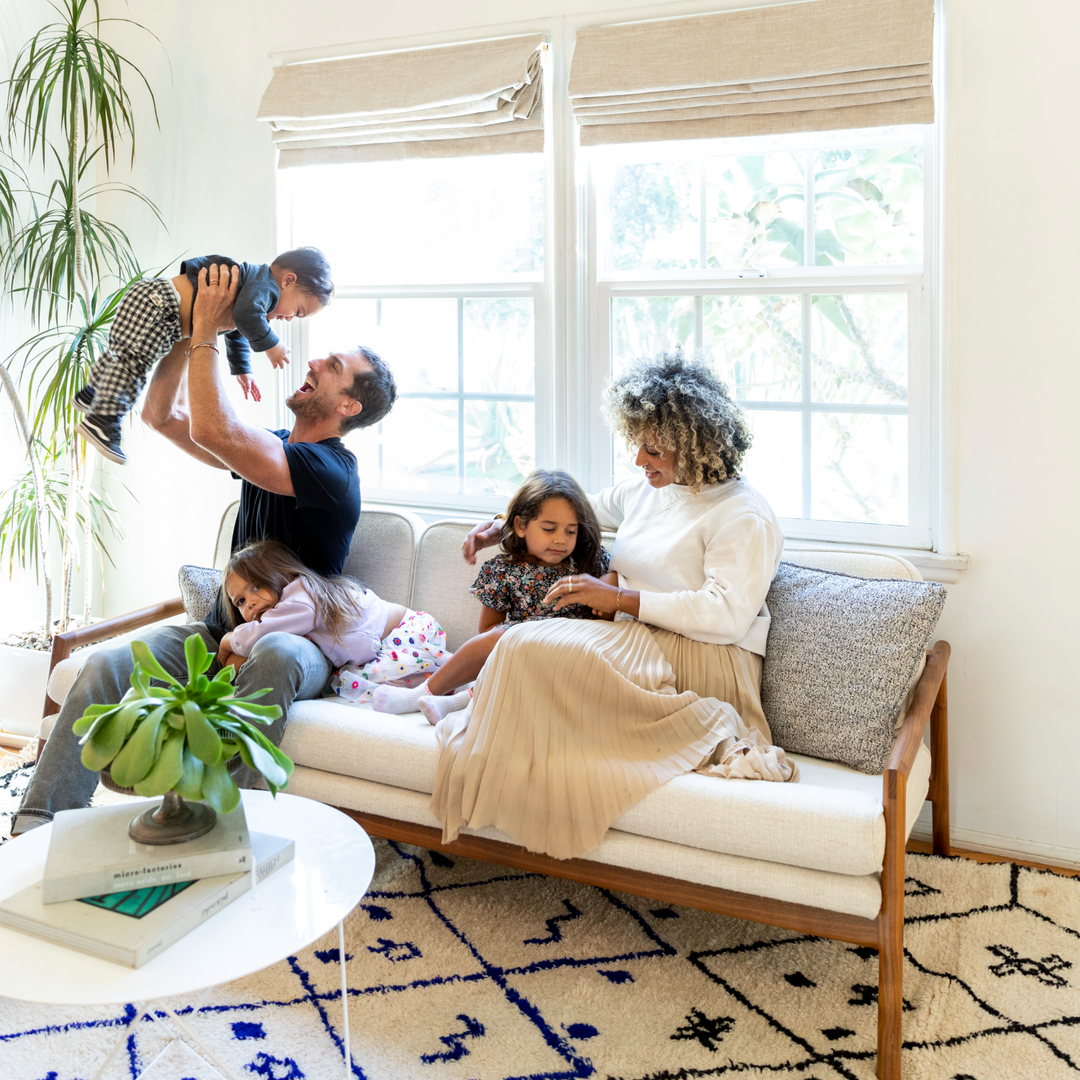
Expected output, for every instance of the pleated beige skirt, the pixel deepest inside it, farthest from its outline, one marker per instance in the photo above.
(572, 722)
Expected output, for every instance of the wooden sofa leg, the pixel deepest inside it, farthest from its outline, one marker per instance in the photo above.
(939, 776)
(891, 931)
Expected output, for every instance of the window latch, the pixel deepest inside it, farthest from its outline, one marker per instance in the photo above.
(749, 271)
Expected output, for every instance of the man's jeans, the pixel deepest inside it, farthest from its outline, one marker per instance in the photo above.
(291, 666)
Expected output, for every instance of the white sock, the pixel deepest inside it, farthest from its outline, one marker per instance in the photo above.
(435, 708)
(398, 699)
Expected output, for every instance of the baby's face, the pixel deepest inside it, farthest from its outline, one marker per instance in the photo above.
(294, 303)
(247, 599)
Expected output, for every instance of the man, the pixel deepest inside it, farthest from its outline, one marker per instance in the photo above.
(300, 487)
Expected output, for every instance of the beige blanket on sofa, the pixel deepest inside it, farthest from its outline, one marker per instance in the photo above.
(572, 722)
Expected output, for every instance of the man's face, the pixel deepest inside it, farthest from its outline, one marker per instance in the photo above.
(327, 386)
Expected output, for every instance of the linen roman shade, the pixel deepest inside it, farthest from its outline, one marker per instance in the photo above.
(814, 66)
(483, 97)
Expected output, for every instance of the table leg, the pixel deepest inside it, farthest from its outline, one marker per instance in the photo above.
(139, 1014)
(344, 999)
(203, 1049)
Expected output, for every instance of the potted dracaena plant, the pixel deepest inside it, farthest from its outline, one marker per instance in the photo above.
(180, 741)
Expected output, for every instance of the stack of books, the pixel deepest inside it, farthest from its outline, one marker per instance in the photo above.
(104, 894)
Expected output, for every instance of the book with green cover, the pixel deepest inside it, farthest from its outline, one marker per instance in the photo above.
(90, 853)
(134, 926)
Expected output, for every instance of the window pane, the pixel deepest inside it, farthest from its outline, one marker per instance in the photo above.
(498, 346)
(499, 441)
(420, 445)
(868, 206)
(646, 325)
(860, 348)
(756, 344)
(652, 216)
(774, 463)
(756, 207)
(417, 338)
(424, 219)
(859, 468)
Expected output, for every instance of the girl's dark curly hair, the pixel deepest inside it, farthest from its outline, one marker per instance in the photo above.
(679, 404)
(546, 484)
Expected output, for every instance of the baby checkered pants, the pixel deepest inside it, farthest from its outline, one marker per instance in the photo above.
(147, 324)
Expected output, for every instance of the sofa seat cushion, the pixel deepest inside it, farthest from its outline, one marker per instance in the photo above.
(831, 820)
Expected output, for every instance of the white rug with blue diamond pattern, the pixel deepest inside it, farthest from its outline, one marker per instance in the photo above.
(460, 970)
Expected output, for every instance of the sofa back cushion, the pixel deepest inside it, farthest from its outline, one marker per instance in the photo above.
(443, 579)
(383, 552)
(842, 657)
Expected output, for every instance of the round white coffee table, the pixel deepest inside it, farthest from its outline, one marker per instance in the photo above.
(330, 871)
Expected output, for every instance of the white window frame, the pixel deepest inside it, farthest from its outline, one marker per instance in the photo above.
(603, 285)
(571, 364)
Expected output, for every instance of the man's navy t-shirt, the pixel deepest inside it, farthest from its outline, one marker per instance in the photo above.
(316, 522)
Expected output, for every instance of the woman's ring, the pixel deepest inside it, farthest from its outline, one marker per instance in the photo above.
(571, 584)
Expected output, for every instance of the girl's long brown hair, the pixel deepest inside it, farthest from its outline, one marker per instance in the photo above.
(546, 484)
(266, 564)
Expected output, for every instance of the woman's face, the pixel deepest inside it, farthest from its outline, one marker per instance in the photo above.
(659, 464)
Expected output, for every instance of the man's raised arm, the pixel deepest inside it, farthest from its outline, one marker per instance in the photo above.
(251, 452)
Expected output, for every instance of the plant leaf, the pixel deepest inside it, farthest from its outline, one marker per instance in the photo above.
(204, 741)
(105, 743)
(134, 760)
(219, 789)
(168, 768)
(258, 757)
(198, 660)
(149, 663)
(92, 718)
(190, 783)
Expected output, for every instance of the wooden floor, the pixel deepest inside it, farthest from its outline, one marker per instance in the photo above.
(924, 847)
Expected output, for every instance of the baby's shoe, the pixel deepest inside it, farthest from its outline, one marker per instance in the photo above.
(103, 432)
(84, 400)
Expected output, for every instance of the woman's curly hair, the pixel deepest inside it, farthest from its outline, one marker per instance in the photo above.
(679, 404)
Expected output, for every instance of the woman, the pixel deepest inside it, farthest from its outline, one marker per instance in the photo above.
(573, 722)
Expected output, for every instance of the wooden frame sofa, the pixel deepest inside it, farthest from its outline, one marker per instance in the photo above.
(402, 560)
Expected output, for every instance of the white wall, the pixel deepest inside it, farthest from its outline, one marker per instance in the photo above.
(1011, 239)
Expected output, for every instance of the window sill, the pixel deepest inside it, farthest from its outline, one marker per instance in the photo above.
(932, 566)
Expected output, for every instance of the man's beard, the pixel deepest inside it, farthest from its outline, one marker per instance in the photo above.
(308, 406)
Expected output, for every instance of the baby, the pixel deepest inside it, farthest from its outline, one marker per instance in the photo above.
(155, 314)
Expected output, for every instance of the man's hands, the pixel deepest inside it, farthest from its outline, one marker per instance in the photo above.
(484, 535)
(212, 311)
(250, 387)
(278, 355)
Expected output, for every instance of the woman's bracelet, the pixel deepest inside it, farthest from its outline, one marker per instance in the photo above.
(203, 345)
(618, 602)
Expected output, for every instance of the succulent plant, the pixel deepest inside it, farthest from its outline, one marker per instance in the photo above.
(180, 737)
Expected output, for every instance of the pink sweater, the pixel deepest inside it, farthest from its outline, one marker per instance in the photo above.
(295, 613)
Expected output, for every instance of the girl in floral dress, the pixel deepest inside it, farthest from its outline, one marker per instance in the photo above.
(550, 531)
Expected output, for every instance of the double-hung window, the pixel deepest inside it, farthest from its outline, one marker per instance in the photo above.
(438, 266)
(795, 264)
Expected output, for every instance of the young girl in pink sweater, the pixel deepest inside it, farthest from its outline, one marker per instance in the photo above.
(368, 640)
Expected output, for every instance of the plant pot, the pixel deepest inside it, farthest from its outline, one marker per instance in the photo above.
(23, 675)
(172, 821)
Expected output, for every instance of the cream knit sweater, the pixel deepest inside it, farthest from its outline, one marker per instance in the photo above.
(702, 563)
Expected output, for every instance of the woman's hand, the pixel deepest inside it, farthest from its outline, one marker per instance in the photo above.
(484, 535)
(601, 597)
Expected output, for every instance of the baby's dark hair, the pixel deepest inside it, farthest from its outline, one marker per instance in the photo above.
(544, 484)
(266, 564)
(311, 269)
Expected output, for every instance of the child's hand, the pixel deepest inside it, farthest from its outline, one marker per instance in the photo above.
(250, 387)
(225, 648)
(278, 355)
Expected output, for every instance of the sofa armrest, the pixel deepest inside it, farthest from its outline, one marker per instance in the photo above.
(918, 716)
(63, 644)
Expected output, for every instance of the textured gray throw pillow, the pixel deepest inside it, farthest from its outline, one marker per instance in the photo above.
(198, 589)
(843, 653)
